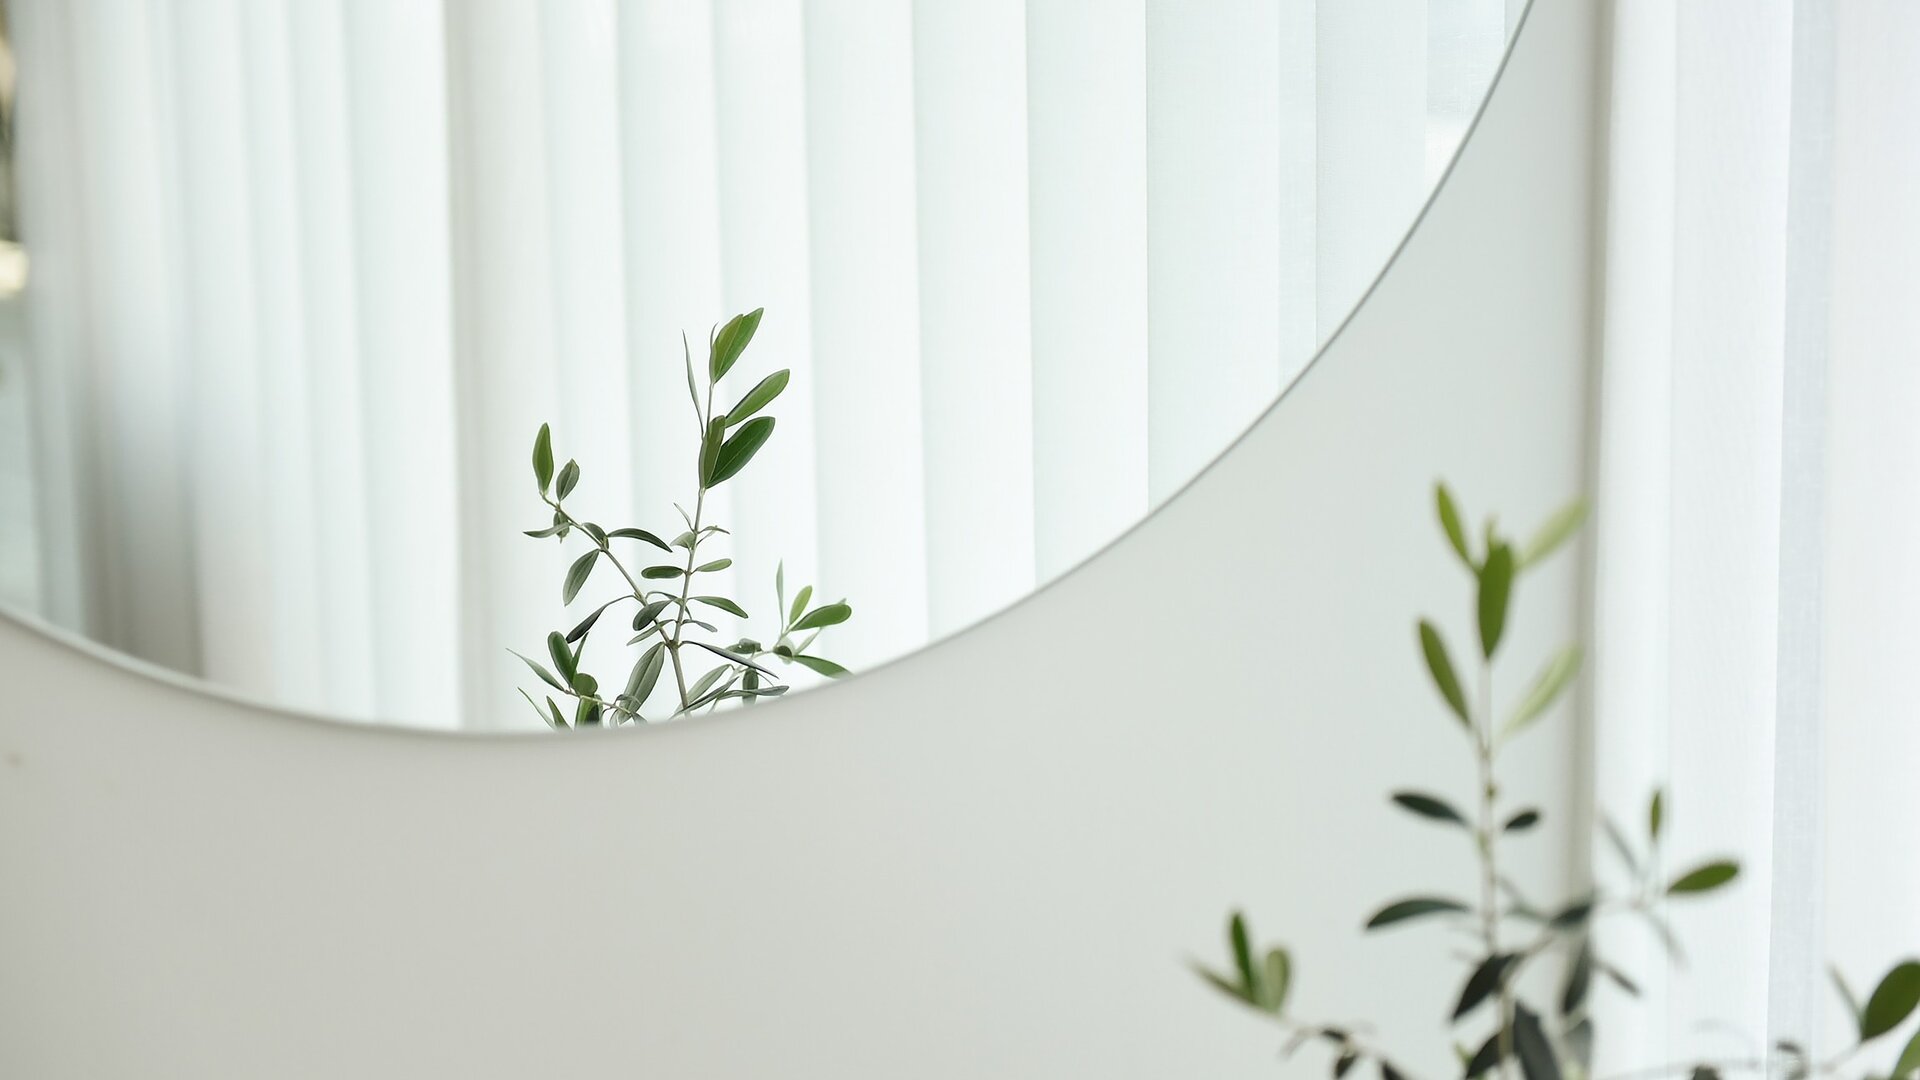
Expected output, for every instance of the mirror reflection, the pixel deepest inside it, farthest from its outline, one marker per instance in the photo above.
(290, 290)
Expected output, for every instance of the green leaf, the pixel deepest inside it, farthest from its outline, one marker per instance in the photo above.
(1579, 1040)
(1656, 811)
(1574, 914)
(646, 673)
(1440, 666)
(1704, 878)
(717, 564)
(731, 341)
(569, 476)
(542, 534)
(1223, 984)
(584, 683)
(1274, 979)
(1579, 979)
(1344, 1064)
(706, 681)
(580, 629)
(1496, 585)
(1480, 985)
(1243, 955)
(545, 675)
(725, 654)
(639, 534)
(537, 710)
(1484, 1060)
(646, 615)
(1620, 978)
(759, 397)
(710, 446)
(577, 575)
(564, 659)
(657, 573)
(1530, 1044)
(1522, 821)
(1847, 996)
(1553, 678)
(1909, 1059)
(1450, 522)
(824, 666)
(825, 615)
(780, 586)
(543, 458)
(1892, 1001)
(799, 605)
(1388, 1072)
(1428, 806)
(553, 710)
(740, 449)
(723, 604)
(1413, 908)
(1554, 532)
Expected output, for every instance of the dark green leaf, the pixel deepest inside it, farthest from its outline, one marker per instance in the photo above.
(580, 629)
(543, 458)
(1496, 583)
(1546, 688)
(825, 667)
(569, 476)
(731, 341)
(1655, 811)
(564, 658)
(577, 575)
(1704, 878)
(739, 450)
(1237, 940)
(545, 675)
(799, 605)
(1909, 1059)
(656, 573)
(1574, 914)
(1440, 666)
(1343, 1064)
(1579, 979)
(825, 615)
(735, 657)
(710, 567)
(639, 534)
(1415, 907)
(1223, 984)
(710, 445)
(1537, 1060)
(1892, 1001)
(759, 397)
(553, 711)
(599, 534)
(646, 615)
(1487, 1058)
(1522, 821)
(1704, 1072)
(542, 534)
(1450, 522)
(705, 681)
(1486, 978)
(1388, 1072)
(1428, 806)
(1564, 523)
(723, 604)
(584, 683)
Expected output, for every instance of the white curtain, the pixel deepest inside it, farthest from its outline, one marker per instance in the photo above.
(1759, 507)
(308, 274)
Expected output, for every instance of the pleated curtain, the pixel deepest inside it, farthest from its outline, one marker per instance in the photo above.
(308, 274)
(1758, 512)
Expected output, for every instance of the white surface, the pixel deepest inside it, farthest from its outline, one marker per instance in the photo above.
(317, 269)
(989, 859)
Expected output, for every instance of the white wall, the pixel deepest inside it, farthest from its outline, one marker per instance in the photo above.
(989, 859)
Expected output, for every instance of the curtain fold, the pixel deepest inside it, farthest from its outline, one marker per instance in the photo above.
(308, 276)
(1755, 490)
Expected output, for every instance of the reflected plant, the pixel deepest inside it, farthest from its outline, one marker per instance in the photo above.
(1511, 933)
(669, 618)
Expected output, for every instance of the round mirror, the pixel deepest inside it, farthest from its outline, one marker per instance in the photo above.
(695, 350)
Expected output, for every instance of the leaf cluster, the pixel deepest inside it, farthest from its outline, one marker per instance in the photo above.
(671, 622)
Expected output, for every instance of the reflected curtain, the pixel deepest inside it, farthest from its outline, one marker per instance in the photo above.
(1758, 513)
(308, 274)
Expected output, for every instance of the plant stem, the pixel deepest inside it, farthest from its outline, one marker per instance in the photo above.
(1489, 863)
(693, 547)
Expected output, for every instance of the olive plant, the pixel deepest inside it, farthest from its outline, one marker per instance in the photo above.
(669, 616)
(1511, 933)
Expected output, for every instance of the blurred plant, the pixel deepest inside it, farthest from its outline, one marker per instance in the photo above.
(1511, 933)
(666, 615)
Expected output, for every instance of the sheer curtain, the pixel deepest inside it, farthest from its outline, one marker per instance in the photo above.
(308, 274)
(1759, 505)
